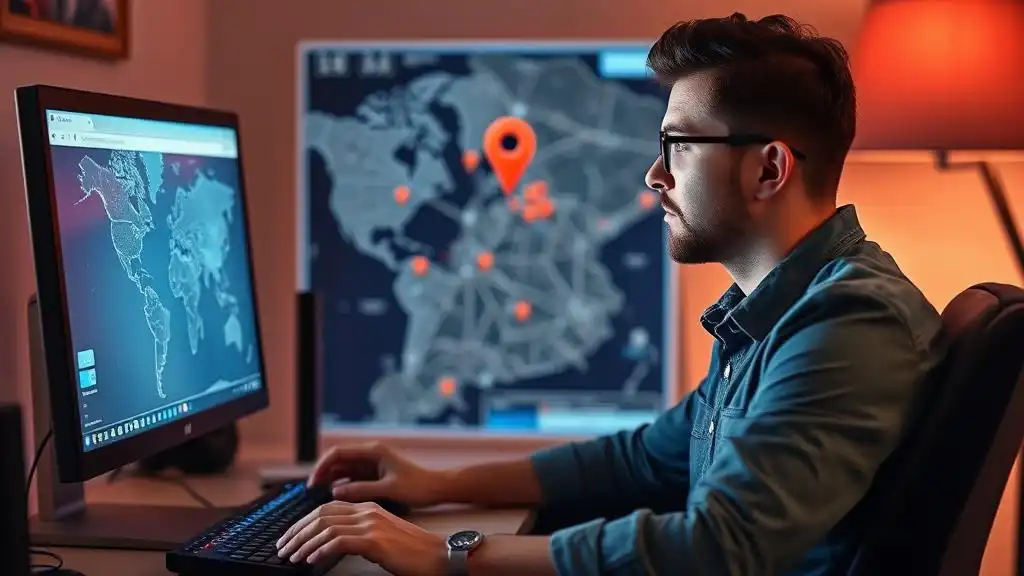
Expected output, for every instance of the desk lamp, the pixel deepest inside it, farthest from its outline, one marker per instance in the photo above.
(946, 76)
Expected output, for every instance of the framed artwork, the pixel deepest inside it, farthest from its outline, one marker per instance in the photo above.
(97, 28)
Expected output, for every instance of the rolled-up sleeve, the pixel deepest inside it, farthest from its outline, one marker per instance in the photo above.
(833, 401)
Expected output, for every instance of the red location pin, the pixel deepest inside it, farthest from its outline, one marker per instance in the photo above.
(509, 144)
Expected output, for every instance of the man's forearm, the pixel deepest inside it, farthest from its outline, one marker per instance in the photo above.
(502, 483)
(502, 555)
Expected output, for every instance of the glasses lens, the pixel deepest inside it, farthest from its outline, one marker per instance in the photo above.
(664, 154)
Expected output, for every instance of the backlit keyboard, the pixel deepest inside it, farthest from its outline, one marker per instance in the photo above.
(246, 544)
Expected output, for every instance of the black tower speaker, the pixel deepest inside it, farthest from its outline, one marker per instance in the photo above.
(308, 372)
(14, 545)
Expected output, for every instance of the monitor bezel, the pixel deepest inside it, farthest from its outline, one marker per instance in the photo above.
(75, 464)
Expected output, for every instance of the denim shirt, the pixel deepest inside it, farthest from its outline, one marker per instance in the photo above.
(812, 383)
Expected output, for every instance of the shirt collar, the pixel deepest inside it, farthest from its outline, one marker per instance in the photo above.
(755, 314)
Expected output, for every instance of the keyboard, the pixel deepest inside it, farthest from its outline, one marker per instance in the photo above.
(246, 543)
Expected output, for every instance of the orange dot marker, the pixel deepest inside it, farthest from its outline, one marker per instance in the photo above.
(485, 260)
(470, 160)
(447, 386)
(536, 190)
(648, 199)
(509, 164)
(545, 209)
(420, 265)
(523, 310)
(531, 213)
(401, 195)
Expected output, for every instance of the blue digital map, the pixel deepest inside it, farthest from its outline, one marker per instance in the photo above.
(451, 303)
(156, 266)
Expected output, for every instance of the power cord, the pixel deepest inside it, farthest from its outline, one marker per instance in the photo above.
(41, 568)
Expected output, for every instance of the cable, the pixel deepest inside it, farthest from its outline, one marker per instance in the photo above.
(202, 500)
(44, 568)
(181, 482)
(35, 461)
(41, 568)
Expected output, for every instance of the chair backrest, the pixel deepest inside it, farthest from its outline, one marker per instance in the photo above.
(934, 502)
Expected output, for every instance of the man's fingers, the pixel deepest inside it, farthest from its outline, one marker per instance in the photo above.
(339, 457)
(294, 528)
(361, 491)
(343, 545)
(330, 509)
(307, 533)
(325, 468)
(324, 537)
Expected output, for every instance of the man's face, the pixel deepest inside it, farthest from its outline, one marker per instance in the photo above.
(706, 205)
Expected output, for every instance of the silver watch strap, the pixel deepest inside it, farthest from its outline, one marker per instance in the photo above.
(457, 563)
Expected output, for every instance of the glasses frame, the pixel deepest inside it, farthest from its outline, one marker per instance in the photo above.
(735, 140)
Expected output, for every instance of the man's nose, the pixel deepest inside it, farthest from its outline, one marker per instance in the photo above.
(657, 178)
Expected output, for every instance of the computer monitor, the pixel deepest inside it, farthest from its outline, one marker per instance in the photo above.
(146, 303)
(474, 217)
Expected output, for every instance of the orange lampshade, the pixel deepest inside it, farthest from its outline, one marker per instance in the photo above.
(940, 75)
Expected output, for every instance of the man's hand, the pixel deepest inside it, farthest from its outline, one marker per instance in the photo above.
(367, 530)
(373, 471)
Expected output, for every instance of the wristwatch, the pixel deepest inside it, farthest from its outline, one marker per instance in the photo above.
(460, 545)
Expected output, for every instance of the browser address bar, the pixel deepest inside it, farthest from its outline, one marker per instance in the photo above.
(148, 144)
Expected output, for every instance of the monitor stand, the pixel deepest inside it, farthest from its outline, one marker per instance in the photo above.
(64, 519)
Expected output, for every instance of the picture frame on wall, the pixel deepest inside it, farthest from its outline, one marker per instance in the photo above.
(92, 28)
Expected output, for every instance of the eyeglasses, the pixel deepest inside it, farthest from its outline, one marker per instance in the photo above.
(731, 140)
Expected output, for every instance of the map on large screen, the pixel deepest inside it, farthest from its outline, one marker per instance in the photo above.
(475, 221)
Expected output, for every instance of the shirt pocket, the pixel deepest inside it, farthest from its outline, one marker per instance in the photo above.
(701, 433)
(731, 423)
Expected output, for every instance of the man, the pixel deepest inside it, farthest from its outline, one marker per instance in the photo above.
(821, 348)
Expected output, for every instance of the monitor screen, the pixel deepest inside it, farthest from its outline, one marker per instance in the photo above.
(160, 309)
(475, 219)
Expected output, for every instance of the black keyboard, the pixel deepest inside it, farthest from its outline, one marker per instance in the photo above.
(246, 543)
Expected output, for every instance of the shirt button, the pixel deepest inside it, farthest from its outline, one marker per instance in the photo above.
(727, 371)
(711, 429)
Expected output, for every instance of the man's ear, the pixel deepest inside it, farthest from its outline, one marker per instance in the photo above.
(776, 169)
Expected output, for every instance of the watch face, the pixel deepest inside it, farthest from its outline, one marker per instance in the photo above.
(464, 541)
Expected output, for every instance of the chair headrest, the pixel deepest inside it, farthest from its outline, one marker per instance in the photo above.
(978, 307)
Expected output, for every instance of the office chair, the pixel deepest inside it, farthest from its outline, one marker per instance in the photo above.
(936, 499)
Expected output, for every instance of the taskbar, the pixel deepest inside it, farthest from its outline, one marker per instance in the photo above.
(555, 413)
(169, 412)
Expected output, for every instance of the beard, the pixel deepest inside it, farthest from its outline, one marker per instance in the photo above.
(717, 233)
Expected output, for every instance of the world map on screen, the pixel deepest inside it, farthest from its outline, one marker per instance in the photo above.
(192, 247)
(450, 300)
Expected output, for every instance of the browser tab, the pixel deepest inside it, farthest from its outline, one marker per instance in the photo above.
(57, 120)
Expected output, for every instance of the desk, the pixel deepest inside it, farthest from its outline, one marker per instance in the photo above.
(236, 488)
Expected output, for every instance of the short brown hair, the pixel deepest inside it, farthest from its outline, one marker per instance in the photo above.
(773, 75)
